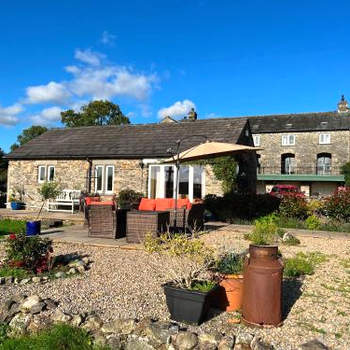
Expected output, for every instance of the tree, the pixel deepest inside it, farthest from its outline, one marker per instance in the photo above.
(345, 170)
(3, 171)
(28, 134)
(95, 113)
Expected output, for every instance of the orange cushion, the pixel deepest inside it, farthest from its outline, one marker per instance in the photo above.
(88, 200)
(163, 204)
(181, 203)
(147, 204)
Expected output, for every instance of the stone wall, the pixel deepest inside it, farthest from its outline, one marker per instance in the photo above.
(305, 149)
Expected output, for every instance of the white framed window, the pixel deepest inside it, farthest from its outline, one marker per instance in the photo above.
(288, 140)
(256, 139)
(104, 179)
(324, 139)
(162, 181)
(109, 178)
(50, 173)
(41, 173)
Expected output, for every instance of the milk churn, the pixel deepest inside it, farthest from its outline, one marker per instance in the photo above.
(262, 293)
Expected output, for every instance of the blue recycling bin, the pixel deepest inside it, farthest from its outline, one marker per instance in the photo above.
(33, 228)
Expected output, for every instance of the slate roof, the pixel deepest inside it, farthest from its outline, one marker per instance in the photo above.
(127, 141)
(300, 122)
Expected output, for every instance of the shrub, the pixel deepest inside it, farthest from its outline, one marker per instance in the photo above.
(293, 206)
(337, 206)
(128, 196)
(32, 252)
(48, 190)
(230, 264)
(6, 271)
(313, 222)
(265, 232)
(345, 170)
(241, 206)
(303, 264)
(183, 261)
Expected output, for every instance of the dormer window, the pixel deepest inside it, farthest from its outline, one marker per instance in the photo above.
(288, 140)
(324, 139)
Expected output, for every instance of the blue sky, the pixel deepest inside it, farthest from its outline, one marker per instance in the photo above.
(226, 58)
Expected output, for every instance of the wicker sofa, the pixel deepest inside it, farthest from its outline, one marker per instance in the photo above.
(186, 217)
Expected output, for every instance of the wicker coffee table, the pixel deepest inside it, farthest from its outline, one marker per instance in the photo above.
(140, 223)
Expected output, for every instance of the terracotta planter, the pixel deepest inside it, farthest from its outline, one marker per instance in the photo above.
(229, 295)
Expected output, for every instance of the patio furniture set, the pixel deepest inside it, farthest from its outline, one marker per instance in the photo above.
(104, 219)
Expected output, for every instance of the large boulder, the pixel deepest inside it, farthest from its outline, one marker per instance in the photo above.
(185, 341)
(32, 304)
(19, 323)
(313, 344)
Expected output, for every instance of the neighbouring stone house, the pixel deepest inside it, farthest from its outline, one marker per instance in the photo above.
(306, 149)
(107, 159)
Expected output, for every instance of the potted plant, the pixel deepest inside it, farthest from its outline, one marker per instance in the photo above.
(48, 190)
(129, 199)
(184, 262)
(229, 295)
(17, 203)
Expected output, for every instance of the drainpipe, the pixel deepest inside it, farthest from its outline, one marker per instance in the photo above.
(89, 175)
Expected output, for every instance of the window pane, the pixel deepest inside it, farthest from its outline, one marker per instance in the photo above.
(154, 182)
(197, 182)
(183, 182)
(51, 173)
(42, 173)
(110, 176)
(99, 171)
(169, 181)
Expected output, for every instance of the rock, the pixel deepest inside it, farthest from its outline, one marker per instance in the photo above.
(50, 304)
(226, 343)
(38, 323)
(258, 344)
(114, 342)
(72, 271)
(244, 338)
(138, 343)
(92, 323)
(45, 278)
(185, 341)
(36, 279)
(208, 341)
(32, 304)
(100, 340)
(77, 263)
(60, 274)
(242, 347)
(60, 316)
(313, 344)
(8, 309)
(19, 324)
(161, 331)
(2, 280)
(25, 281)
(8, 279)
(86, 260)
(124, 326)
(76, 321)
(16, 280)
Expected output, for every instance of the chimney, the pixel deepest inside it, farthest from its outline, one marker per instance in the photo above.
(192, 115)
(343, 106)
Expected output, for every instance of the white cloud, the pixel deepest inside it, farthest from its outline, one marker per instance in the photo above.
(89, 57)
(110, 81)
(107, 38)
(178, 109)
(47, 116)
(8, 115)
(50, 93)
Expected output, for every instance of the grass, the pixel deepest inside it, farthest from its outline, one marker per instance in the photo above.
(61, 337)
(303, 264)
(7, 271)
(12, 226)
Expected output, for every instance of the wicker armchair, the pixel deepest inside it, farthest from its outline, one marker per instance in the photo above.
(188, 219)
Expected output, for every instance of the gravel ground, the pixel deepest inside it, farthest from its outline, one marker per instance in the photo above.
(122, 284)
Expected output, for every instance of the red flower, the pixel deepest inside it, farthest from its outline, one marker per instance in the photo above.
(12, 237)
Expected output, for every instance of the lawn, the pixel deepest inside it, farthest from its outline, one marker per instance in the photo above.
(11, 226)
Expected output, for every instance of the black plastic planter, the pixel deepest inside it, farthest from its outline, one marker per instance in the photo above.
(185, 305)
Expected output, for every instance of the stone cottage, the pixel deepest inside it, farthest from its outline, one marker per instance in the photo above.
(107, 159)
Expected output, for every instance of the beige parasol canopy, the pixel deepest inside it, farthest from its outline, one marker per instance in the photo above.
(210, 149)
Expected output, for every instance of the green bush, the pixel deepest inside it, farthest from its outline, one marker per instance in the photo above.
(58, 337)
(293, 206)
(12, 226)
(313, 222)
(30, 251)
(6, 271)
(231, 264)
(265, 231)
(337, 206)
(128, 196)
(303, 264)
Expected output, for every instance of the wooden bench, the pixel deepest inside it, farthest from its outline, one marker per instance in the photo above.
(67, 198)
